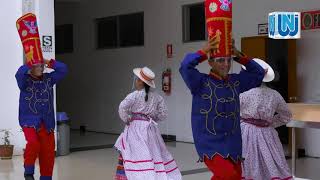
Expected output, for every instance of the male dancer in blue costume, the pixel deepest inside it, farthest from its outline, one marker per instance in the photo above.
(215, 108)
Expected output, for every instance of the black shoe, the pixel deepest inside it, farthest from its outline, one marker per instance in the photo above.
(28, 177)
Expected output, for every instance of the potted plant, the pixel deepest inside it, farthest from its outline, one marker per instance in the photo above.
(6, 149)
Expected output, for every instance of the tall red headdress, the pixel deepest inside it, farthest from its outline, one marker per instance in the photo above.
(219, 24)
(29, 35)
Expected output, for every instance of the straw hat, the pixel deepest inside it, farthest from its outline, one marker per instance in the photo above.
(270, 74)
(146, 75)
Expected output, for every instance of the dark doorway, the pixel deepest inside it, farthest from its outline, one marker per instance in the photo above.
(277, 57)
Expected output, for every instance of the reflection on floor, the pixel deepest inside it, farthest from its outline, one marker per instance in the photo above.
(100, 165)
(90, 140)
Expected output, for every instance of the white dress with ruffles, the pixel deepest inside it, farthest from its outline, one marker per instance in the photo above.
(144, 152)
(262, 110)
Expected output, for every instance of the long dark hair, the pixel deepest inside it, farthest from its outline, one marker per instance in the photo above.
(147, 89)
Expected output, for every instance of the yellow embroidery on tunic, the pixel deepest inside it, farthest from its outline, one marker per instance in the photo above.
(212, 97)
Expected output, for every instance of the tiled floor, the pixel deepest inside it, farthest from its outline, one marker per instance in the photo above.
(100, 165)
(91, 139)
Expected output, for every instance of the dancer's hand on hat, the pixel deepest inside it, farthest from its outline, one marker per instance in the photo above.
(211, 45)
(235, 51)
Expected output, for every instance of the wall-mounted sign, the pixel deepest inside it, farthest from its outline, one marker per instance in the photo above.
(169, 50)
(47, 43)
(263, 28)
(284, 25)
(310, 20)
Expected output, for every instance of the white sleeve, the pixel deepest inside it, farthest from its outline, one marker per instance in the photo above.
(125, 107)
(162, 113)
(283, 115)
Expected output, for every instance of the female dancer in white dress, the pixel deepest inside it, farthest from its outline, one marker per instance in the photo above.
(262, 109)
(143, 152)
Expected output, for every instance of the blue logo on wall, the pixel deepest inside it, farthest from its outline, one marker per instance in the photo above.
(284, 25)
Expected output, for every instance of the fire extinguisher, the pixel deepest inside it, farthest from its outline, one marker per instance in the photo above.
(166, 81)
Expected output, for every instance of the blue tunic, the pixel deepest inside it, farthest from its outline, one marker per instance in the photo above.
(216, 108)
(36, 96)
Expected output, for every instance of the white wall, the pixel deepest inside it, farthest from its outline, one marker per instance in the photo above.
(11, 53)
(12, 59)
(104, 77)
(45, 17)
(308, 73)
(100, 79)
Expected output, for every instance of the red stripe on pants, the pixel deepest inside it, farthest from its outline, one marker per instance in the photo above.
(224, 169)
(40, 144)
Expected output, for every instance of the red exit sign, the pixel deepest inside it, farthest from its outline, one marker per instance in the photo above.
(310, 20)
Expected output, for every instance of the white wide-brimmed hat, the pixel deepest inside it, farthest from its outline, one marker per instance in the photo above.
(270, 74)
(146, 75)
